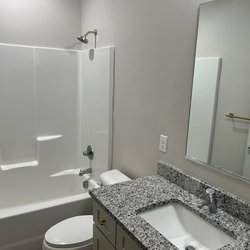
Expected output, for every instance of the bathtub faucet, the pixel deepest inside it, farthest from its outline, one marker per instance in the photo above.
(85, 171)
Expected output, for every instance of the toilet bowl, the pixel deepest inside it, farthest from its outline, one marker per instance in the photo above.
(76, 233)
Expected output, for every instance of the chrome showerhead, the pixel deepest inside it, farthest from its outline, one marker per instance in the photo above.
(84, 39)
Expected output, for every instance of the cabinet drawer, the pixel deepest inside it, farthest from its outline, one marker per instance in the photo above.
(124, 241)
(99, 241)
(105, 223)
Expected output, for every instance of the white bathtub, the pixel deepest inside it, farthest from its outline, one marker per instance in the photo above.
(23, 227)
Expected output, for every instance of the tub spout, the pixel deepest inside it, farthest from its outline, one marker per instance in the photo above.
(85, 171)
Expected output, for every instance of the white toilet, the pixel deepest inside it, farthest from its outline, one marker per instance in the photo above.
(76, 233)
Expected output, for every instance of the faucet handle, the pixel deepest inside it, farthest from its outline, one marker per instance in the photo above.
(89, 152)
(210, 191)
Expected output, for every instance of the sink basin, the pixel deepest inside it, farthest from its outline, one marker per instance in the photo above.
(185, 229)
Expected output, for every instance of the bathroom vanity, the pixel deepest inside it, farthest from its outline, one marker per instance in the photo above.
(120, 222)
(108, 234)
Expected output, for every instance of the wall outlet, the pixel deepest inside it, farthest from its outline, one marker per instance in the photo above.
(163, 143)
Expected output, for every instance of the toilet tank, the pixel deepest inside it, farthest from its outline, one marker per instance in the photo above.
(113, 176)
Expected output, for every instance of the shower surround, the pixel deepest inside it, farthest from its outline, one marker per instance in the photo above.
(49, 114)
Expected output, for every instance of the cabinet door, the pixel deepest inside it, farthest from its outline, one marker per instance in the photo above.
(124, 241)
(104, 222)
(99, 241)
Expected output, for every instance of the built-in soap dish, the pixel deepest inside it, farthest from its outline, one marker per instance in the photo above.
(73, 171)
(35, 162)
(20, 165)
(48, 137)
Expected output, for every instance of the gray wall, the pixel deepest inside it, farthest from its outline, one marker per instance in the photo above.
(155, 49)
(53, 23)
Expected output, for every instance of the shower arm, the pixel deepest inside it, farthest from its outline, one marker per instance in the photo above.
(92, 32)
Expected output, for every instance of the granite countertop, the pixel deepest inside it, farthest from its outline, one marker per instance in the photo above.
(124, 201)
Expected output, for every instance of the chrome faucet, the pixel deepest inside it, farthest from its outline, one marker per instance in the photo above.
(85, 171)
(211, 203)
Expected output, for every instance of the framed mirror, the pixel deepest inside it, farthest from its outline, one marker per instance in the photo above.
(219, 122)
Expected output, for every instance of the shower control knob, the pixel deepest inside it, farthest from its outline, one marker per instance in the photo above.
(89, 152)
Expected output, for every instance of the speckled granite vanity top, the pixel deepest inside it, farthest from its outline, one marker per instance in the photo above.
(124, 201)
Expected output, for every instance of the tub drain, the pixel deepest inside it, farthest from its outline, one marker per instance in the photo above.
(189, 248)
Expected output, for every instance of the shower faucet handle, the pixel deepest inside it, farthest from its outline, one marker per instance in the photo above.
(89, 152)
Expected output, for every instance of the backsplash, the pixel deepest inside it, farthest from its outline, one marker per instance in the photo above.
(225, 200)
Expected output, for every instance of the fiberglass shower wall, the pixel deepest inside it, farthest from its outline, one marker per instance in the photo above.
(47, 119)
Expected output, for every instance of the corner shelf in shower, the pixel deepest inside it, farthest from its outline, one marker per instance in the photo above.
(48, 137)
(20, 165)
(31, 163)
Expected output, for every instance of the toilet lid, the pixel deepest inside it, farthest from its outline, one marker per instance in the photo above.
(72, 232)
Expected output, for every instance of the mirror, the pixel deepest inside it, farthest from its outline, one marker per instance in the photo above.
(218, 133)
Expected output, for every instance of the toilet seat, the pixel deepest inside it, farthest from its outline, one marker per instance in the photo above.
(73, 232)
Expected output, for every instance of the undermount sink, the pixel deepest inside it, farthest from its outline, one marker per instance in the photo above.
(184, 229)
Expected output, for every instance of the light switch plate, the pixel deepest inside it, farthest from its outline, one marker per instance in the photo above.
(163, 143)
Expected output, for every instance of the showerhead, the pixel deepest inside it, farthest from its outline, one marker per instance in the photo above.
(83, 39)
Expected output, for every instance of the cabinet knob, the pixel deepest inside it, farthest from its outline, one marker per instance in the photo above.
(101, 222)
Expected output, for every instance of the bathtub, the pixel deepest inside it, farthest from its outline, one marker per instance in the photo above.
(23, 227)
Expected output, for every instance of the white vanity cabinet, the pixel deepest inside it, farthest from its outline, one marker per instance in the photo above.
(108, 235)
